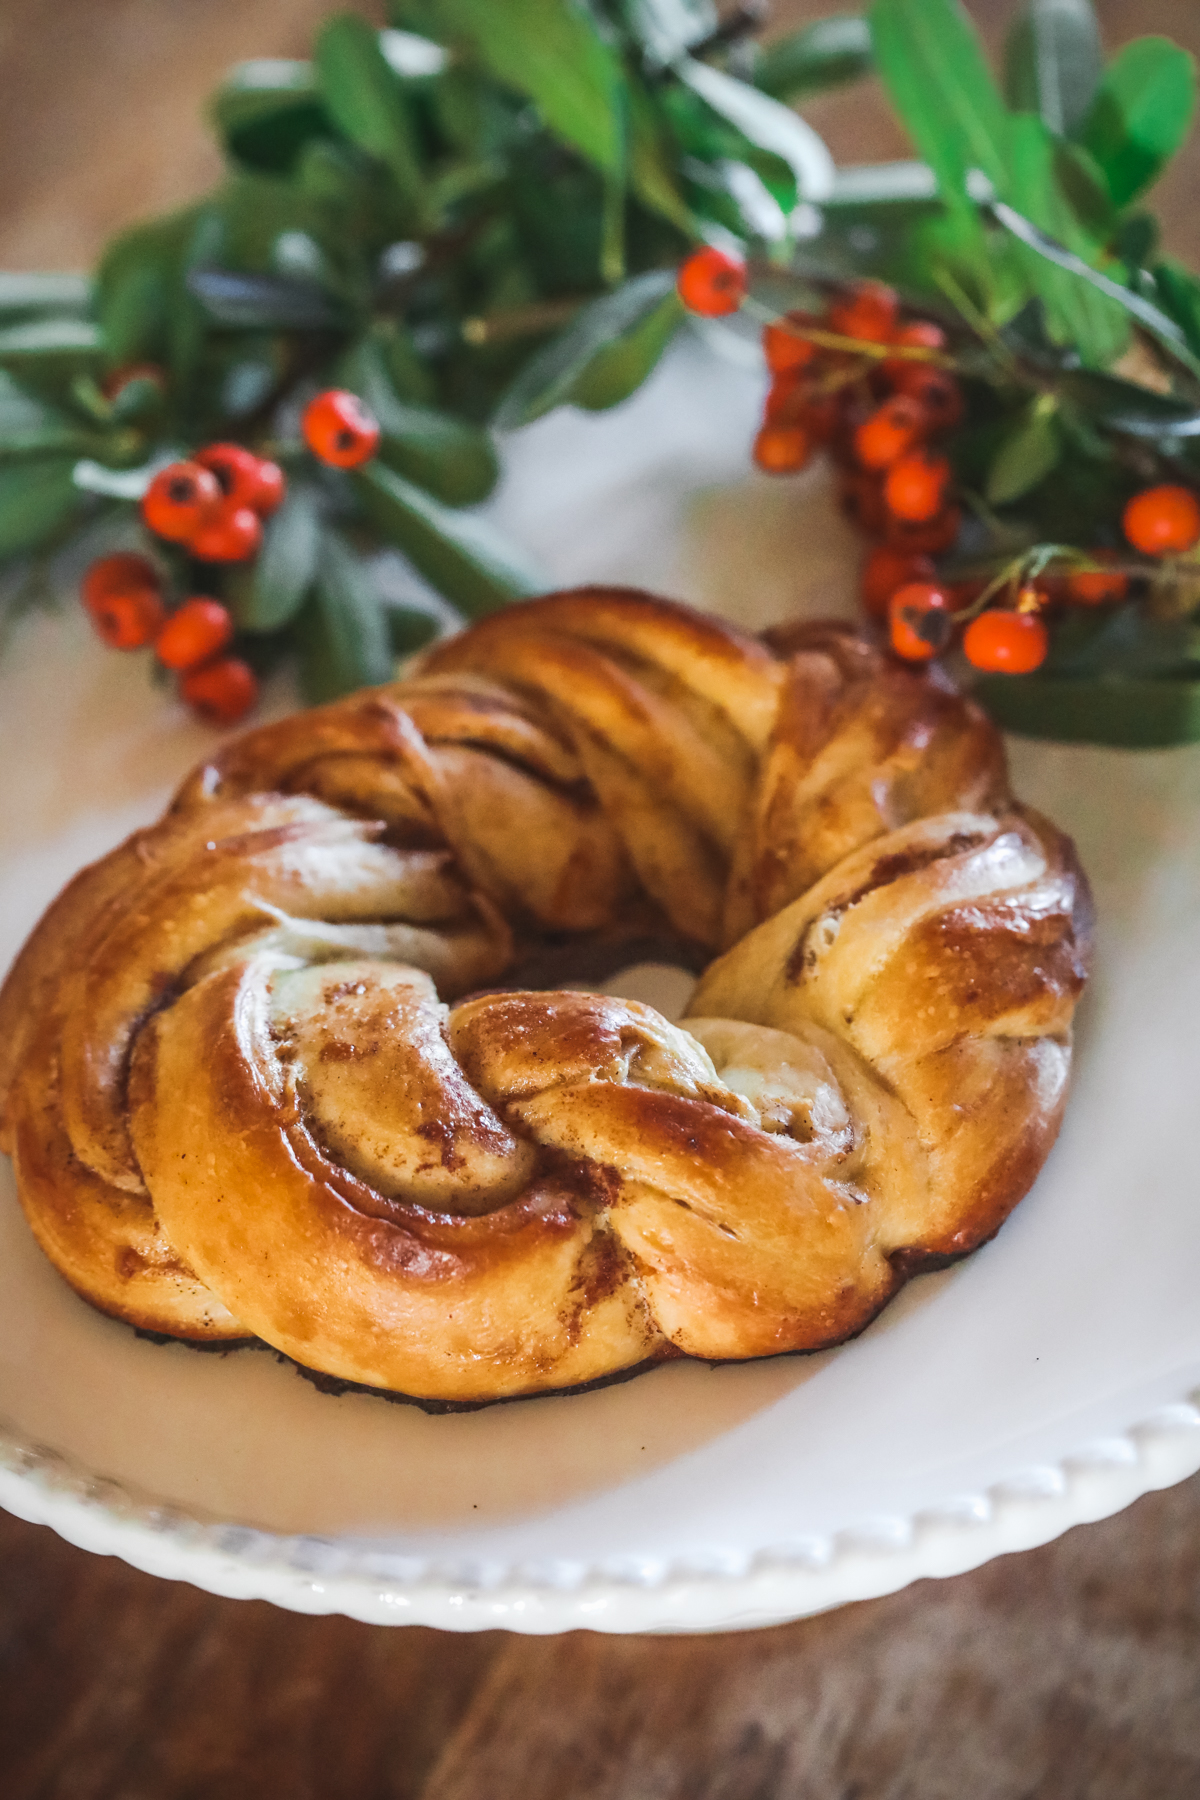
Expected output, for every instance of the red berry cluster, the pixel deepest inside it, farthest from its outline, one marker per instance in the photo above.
(877, 416)
(214, 505)
(1011, 642)
(123, 595)
(1159, 522)
(874, 389)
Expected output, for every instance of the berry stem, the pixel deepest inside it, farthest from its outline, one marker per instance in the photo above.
(835, 340)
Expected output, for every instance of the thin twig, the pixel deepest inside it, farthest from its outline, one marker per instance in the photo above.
(522, 321)
(834, 340)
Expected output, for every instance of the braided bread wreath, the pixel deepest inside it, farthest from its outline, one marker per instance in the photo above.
(240, 1106)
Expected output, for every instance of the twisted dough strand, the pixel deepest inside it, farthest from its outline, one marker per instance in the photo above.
(240, 1102)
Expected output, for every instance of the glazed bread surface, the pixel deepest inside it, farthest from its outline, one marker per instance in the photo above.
(300, 1061)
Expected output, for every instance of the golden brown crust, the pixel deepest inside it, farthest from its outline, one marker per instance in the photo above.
(239, 1103)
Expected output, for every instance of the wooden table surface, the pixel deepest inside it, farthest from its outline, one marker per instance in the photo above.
(1068, 1673)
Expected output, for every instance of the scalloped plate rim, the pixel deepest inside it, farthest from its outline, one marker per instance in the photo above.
(1028, 1508)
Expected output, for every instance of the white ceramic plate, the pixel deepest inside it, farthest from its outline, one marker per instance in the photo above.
(1046, 1381)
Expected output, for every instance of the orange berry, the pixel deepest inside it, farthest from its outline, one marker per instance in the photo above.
(1162, 521)
(868, 312)
(785, 400)
(127, 618)
(935, 391)
(784, 350)
(339, 429)
(221, 691)
(820, 414)
(1006, 643)
(918, 334)
(244, 478)
(231, 535)
(181, 498)
(782, 449)
(919, 618)
(1096, 587)
(891, 430)
(193, 634)
(915, 486)
(269, 489)
(887, 569)
(712, 283)
(117, 573)
(927, 538)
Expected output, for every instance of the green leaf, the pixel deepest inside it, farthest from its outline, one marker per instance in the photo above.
(341, 633)
(43, 294)
(273, 590)
(552, 52)
(616, 338)
(23, 412)
(828, 53)
(459, 554)
(1141, 114)
(652, 159)
(407, 373)
(36, 500)
(58, 346)
(449, 457)
(49, 440)
(366, 101)
(1133, 714)
(452, 458)
(267, 110)
(1158, 323)
(137, 287)
(1077, 312)
(933, 67)
(1025, 457)
(1124, 406)
(621, 367)
(764, 122)
(409, 629)
(263, 302)
(1179, 292)
(274, 226)
(1053, 62)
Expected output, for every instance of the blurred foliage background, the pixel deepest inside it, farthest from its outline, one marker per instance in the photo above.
(103, 118)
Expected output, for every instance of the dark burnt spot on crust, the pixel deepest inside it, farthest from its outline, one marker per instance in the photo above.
(885, 871)
(913, 1259)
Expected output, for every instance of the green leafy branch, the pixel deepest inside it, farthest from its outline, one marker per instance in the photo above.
(475, 216)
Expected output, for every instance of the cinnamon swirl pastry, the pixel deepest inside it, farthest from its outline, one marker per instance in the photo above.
(281, 1065)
